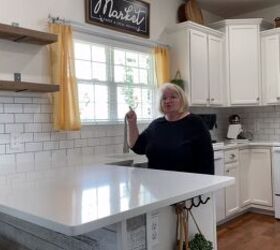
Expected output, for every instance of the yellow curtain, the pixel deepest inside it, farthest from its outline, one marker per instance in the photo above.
(66, 114)
(162, 65)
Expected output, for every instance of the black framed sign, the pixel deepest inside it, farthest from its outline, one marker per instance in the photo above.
(131, 16)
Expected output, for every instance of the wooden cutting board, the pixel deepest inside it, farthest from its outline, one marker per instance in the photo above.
(193, 12)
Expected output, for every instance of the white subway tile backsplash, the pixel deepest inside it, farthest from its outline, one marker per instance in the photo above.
(43, 118)
(13, 108)
(32, 127)
(5, 138)
(44, 108)
(42, 137)
(41, 100)
(93, 142)
(50, 145)
(88, 151)
(74, 154)
(43, 157)
(2, 128)
(4, 99)
(6, 118)
(73, 135)
(31, 108)
(2, 149)
(33, 146)
(25, 158)
(18, 149)
(46, 127)
(23, 100)
(27, 137)
(9, 159)
(87, 133)
(59, 155)
(80, 143)
(57, 136)
(66, 144)
(23, 118)
(31, 115)
(13, 128)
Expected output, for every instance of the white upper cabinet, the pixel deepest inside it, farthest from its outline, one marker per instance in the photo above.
(242, 57)
(198, 68)
(270, 43)
(216, 70)
(243, 60)
(197, 51)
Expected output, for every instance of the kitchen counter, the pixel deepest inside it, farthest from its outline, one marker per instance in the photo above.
(74, 200)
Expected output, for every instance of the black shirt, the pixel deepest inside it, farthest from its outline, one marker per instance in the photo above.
(183, 145)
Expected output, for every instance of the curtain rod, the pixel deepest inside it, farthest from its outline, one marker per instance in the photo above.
(101, 32)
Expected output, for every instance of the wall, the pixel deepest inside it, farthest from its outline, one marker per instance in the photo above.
(269, 14)
(29, 115)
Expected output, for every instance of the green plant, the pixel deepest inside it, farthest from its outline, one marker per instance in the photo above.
(127, 90)
(178, 80)
(200, 243)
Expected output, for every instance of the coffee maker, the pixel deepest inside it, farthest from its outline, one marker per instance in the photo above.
(234, 128)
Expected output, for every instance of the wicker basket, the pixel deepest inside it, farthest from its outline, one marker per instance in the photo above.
(190, 11)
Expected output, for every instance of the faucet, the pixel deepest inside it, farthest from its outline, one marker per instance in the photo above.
(125, 144)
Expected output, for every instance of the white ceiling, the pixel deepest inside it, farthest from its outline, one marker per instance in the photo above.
(230, 8)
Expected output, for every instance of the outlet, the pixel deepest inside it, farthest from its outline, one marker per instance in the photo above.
(154, 229)
(16, 141)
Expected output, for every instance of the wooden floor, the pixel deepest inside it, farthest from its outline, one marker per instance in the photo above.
(250, 231)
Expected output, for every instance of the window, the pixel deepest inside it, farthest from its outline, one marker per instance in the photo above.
(110, 79)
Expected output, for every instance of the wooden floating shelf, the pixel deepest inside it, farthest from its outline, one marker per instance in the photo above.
(28, 87)
(22, 35)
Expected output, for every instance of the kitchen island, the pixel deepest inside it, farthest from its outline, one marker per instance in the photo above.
(97, 206)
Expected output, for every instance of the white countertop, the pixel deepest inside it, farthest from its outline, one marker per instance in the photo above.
(78, 199)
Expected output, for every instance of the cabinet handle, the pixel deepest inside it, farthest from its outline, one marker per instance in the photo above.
(278, 98)
(227, 171)
(257, 98)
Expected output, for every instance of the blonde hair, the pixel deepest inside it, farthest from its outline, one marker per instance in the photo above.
(179, 91)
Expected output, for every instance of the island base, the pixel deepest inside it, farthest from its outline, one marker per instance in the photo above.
(151, 231)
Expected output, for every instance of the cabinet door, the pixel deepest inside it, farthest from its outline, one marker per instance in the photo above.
(244, 178)
(220, 194)
(216, 69)
(271, 69)
(244, 64)
(198, 68)
(232, 192)
(260, 172)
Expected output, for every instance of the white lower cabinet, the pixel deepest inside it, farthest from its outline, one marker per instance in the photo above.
(232, 170)
(260, 177)
(220, 194)
(252, 170)
(232, 192)
(244, 173)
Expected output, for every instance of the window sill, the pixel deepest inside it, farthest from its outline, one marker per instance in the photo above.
(112, 122)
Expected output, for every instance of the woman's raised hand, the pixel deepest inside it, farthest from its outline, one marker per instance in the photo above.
(131, 116)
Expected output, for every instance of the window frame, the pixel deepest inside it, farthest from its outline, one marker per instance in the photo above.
(112, 86)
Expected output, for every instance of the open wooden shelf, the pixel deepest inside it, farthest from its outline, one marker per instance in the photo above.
(28, 86)
(18, 34)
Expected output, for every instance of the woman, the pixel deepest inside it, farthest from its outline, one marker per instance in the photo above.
(177, 141)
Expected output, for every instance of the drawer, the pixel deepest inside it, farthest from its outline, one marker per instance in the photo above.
(231, 155)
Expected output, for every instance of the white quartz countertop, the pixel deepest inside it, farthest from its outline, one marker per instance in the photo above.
(77, 199)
